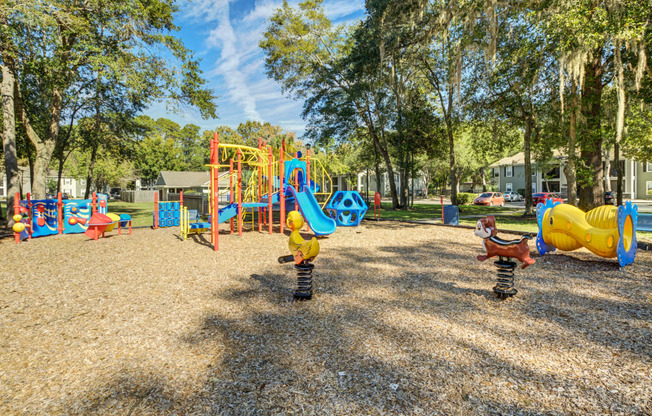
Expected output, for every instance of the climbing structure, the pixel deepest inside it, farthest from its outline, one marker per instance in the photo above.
(258, 180)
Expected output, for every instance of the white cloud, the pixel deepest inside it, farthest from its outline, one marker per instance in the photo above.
(237, 73)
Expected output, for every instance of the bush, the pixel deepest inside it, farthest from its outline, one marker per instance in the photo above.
(522, 192)
(464, 198)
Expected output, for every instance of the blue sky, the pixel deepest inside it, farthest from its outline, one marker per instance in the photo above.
(225, 35)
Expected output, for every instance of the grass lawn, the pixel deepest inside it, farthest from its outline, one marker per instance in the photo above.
(507, 218)
(141, 212)
(428, 211)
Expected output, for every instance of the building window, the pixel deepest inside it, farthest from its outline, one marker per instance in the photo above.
(534, 188)
(508, 187)
(648, 188)
(2, 188)
(613, 172)
(496, 172)
(66, 181)
(553, 174)
(534, 172)
(648, 167)
(552, 186)
(508, 171)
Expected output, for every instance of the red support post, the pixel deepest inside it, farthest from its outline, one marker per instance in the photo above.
(156, 213)
(296, 185)
(308, 167)
(59, 213)
(270, 185)
(239, 192)
(260, 187)
(31, 218)
(281, 183)
(215, 190)
(17, 212)
(231, 195)
(308, 174)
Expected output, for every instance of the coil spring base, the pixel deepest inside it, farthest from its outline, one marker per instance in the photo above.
(304, 281)
(505, 286)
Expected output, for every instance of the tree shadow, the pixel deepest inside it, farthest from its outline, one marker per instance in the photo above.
(346, 355)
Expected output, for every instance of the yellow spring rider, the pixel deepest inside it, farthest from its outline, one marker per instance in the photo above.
(303, 253)
(607, 231)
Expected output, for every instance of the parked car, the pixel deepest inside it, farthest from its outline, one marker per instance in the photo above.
(115, 193)
(609, 198)
(65, 195)
(490, 198)
(541, 197)
(512, 196)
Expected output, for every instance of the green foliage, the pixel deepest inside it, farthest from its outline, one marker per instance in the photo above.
(464, 198)
(105, 60)
(155, 154)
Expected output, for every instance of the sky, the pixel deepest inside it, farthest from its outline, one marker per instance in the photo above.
(225, 35)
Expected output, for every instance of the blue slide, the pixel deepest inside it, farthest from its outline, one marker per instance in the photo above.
(319, 222)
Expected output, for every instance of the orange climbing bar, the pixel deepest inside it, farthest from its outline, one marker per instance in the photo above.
(59, 213)
(281, 173)
(156, 213)
(17, 212)
(270, 186)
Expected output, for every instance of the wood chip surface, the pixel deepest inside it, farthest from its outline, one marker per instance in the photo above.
(403, 322)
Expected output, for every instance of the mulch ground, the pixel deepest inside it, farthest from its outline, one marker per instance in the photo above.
(404, 321)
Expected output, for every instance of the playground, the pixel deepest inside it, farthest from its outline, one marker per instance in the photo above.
(404, 321)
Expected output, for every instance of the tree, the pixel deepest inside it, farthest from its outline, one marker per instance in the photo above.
(308, 56)
(75, 48)
(251, 131)
(590, 38)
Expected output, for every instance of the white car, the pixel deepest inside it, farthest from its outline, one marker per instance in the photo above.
(512, 196)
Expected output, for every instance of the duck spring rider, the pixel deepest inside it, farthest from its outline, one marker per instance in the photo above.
(504, 249)
(303, 253)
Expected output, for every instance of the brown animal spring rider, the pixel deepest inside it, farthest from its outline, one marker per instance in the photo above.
(485, 228)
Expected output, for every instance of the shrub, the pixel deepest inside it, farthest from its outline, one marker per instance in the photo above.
(522, 192)
(464, 198)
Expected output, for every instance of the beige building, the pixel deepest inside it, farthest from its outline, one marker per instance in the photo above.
(510, 174)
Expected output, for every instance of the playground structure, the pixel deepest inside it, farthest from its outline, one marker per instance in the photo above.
(43, 217)
(347, 208)
(303, 254)
(505, 249)
(167, 213)
(268, 183)
(607, 231)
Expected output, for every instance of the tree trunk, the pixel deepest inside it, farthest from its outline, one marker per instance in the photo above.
(44, 147)
(483, 178)
(527, 135)
(570, 168)
(607, 170)
(60, 172)
(9, 133)
(454, 180)
(388, 165)
(590, 184)
(619, 175)
(377, 170)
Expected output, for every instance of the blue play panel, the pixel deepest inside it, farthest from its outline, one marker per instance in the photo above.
(347, 208)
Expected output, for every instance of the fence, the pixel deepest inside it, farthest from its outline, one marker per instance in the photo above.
(138, 196)
(198, 202)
